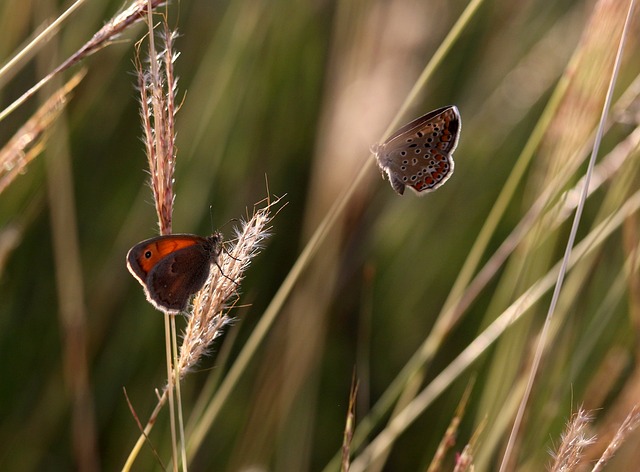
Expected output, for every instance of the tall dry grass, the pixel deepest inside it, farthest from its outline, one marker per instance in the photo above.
(421, 295)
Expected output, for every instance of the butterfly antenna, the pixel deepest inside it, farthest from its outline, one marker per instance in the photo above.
(211, 216)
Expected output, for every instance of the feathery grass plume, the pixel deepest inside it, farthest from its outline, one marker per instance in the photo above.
(449, 438)
(573, 441)
(158, 87)
(349, 424)
(210, 310)
(29, 140)
(629, 424)
(211, 306)
(464, 462)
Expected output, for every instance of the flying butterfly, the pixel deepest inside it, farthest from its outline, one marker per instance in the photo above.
(420, 154)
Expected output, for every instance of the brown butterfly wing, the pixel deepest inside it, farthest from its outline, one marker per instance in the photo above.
(144, 256)
(173, 267)
(419, 153)
(177, 276)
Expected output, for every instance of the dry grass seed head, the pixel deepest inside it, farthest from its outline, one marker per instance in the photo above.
(573, 441)
(211, 306)
(158, 88)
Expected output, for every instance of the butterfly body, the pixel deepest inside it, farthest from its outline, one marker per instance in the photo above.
(173, 267)
(419, 154)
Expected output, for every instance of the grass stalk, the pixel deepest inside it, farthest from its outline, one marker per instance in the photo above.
(569, 246)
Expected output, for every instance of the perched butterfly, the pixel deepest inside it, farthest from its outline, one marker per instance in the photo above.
(420, 153)
(171, 268)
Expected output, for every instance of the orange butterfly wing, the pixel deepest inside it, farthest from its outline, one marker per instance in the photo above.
(171, 268)
(148, 253)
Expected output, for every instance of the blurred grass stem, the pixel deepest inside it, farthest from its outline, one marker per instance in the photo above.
(99, 40)
(540, 348)
(310, 250)
(488, 336)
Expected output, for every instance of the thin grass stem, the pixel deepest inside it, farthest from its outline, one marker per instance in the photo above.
(170, 388)
(542, 342)
(176, 363)
(489, 335)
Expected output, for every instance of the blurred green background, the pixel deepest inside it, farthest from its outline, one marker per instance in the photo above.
(297, 91)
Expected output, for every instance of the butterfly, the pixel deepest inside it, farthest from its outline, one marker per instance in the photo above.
(420, 153)
(171, 268)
